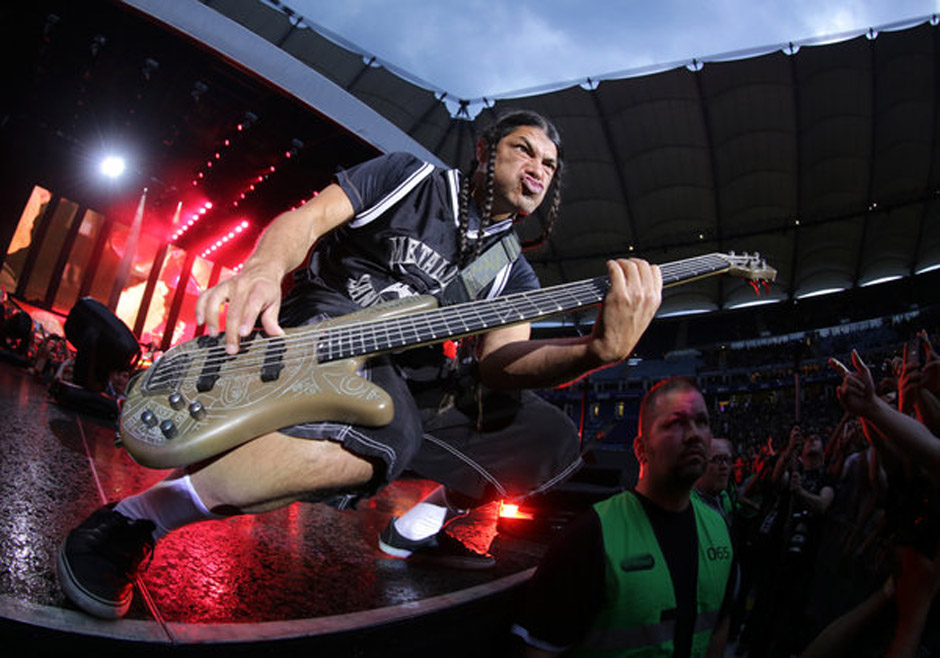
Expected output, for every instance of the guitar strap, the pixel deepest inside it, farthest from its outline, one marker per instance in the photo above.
(467, 285)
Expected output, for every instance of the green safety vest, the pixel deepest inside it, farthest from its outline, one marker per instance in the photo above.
(639, 586)
(724, 501)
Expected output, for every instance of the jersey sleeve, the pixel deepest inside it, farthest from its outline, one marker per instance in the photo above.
(375, 185)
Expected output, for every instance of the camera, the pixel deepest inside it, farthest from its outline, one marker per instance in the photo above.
(799, 524)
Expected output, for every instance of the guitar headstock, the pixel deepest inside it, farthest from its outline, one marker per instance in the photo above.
(749, 266)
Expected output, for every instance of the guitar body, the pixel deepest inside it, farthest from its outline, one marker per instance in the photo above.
(197, 401)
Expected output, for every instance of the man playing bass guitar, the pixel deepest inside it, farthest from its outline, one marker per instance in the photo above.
(390, 228)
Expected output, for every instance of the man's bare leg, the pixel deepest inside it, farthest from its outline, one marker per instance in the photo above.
(99, 559)
(276, 470)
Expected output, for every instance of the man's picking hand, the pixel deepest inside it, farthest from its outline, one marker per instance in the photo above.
(253, 293)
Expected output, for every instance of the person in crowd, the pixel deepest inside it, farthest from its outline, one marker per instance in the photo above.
(916, 512)
(712, 487)
(778, 626)
(647, 571)
(390, 228)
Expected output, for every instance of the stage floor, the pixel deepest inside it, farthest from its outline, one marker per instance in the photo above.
(300, 575)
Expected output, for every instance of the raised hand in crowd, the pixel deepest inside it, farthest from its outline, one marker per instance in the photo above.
(905, 433)
(917, 385)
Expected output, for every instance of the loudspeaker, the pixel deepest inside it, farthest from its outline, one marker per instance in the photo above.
(103, 343)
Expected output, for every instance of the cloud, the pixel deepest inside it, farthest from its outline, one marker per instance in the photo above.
(475, 48)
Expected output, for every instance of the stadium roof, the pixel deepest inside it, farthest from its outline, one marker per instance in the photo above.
(824, 158)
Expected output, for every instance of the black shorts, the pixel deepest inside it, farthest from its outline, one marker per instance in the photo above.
(497, 445)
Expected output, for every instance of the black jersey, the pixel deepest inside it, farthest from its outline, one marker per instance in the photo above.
(403, 240)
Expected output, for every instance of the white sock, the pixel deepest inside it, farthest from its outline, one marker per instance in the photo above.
(170, 504)
(422, 520)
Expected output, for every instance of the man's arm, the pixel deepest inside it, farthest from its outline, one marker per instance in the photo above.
(912, 438)
(917, 585)
(256, 290)
(510, 360)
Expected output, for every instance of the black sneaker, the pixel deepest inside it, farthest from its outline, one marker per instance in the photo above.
(441, 550)
(100, 559)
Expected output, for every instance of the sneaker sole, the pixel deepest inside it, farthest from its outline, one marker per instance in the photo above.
(88, 601)
(402, 553)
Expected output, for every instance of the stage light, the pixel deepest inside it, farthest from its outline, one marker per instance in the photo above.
(754, 302)
(685, 311)
(513, 511)
(883, 279)
(929, 268)
(819, 293)
(113, 166)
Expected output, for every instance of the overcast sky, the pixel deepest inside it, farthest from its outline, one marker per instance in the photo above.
(477, 48)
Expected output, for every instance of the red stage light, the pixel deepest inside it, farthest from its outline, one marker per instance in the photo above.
(513, 511)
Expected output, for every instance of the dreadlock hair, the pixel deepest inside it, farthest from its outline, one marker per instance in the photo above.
(492, 136)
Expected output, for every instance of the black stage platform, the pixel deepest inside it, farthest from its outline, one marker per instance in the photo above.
(302, 578)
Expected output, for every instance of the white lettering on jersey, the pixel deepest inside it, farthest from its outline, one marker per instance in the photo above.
(408, 251)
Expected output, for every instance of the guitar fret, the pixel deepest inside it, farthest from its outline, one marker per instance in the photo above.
(474, 317)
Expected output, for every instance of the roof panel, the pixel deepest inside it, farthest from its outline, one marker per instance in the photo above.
(782, 154)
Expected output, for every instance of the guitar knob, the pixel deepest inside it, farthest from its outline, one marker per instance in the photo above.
(197, 410)
(176, 400)
(148, 418)
(168, 427)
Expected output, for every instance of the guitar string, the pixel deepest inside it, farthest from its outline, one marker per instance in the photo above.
(488, 312)
(335, 335)
(491, 312)
(398, 332)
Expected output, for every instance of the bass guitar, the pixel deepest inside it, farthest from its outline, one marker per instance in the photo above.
(197, 401)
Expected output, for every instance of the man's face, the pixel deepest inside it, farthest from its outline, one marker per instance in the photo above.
(812, 449)
(674, 447)
(715, 479)
(526, 160)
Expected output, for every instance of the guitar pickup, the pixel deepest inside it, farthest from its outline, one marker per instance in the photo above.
(273, 360)
(215, 357)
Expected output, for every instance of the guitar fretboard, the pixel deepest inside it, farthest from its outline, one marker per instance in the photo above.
(459, 320)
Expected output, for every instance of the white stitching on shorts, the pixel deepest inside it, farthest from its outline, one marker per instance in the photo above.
(479, 469)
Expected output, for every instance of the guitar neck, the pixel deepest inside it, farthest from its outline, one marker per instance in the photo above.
(435, 326)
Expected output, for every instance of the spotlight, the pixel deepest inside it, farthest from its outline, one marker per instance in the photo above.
(199, 88)
(295, 146)
(113, 166)
(97, 43)
(150, 65)
(248, 121)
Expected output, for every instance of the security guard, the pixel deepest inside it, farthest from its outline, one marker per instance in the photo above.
(645, 572)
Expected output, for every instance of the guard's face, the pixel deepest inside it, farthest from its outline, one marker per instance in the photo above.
(526, 160)
(675, 446)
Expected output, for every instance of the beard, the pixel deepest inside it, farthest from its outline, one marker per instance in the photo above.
(686, 475)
